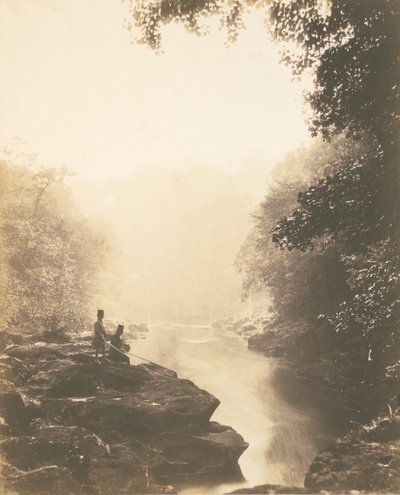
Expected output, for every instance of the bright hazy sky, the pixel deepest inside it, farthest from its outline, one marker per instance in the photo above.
(80, 94)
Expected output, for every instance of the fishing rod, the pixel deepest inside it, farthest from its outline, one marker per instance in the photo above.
(124, 353)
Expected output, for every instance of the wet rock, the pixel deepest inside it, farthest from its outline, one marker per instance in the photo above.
(272, 490)
(37, 351)
(29, 452)
(224, 441)
(89, 443)
(385, 430)
(248, 329)
(366, 459)
(65, 378)
(321, 371)
(205, 454)
(58, 336)
(8, 338)
(46, 480)
(10, 398)
(73, 381)
(134, 331)
(263, 342)
(14, 370)
(81, 357)
(122, 429)
(15, 408)
(83, 337)
(155, 405)
(50, 444)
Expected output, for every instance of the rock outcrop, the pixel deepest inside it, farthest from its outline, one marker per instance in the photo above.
(70, 425)
(271, 490)
(332, 375)
(367, 459)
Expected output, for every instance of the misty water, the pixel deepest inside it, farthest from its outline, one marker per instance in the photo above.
(281, 438)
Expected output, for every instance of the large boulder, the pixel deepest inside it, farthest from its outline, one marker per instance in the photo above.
(16, 409)
(8, 338)
(249, 329)
(46, 351)
(51, 444)
(271, 490)
(119, 397)
(58, 336)
(119, 428)
(68, 379)
(10, 398)
(37, 351)
(367, 459)
(45, 480)
(209, 453)
(153, 407)
(14, 370)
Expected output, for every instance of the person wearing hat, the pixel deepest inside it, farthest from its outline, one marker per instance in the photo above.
(99, 338)
(117, 352)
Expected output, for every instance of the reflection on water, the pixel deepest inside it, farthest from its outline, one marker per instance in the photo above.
(280, 448)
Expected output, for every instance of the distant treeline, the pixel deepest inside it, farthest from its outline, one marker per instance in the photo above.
(49, 253)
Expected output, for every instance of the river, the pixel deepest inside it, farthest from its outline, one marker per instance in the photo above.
(281, 438)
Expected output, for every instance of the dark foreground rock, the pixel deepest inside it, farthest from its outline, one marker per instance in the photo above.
(333, 376)
(367, 459)
(71, 426)
(272, 490)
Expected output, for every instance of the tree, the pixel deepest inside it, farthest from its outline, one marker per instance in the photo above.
(352, 46)
(343, 205)
(351, 49)
(50, 254)
(303, 284)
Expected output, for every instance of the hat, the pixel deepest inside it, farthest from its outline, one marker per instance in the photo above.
(120, 328)
(100, 312)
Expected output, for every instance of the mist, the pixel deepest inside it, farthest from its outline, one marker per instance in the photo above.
(173, 235)
(230, 201)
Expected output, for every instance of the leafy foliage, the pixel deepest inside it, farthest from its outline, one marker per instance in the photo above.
(372, 278)
(302, 284)
(343, 205)
(352, 46)
(351, 211)
(148, 16)
(50, 255)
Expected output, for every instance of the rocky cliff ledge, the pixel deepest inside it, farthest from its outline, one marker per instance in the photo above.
(72, 426)
(321, 369)
(365, 461)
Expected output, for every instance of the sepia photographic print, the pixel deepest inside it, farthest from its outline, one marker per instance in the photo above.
(199, 247)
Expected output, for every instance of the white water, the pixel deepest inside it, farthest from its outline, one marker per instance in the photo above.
(280, 438)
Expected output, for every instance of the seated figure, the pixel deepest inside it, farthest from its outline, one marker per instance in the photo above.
(118, 349)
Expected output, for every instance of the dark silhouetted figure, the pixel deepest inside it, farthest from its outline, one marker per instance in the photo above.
(99, 338)
(117, 352)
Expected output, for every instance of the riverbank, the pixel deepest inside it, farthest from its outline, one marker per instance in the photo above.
(283, 439)
(73, 426)
(358, 408)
